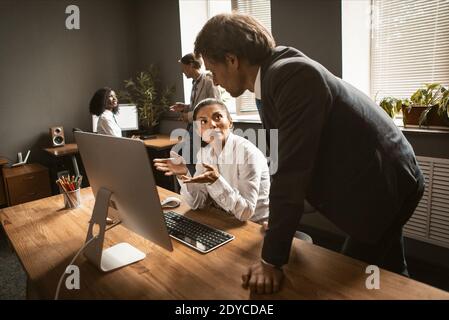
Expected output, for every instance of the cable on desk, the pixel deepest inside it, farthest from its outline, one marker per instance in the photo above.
(76, 256)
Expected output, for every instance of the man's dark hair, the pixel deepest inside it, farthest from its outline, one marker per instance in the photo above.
(235, 33)
(191, 59)
(99, 101)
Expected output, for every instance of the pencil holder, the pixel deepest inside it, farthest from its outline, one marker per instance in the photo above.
(72, 199)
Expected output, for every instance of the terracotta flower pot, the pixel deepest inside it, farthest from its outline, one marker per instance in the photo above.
(411, 117)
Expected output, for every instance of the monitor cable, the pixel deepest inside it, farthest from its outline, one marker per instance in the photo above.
(76, 256)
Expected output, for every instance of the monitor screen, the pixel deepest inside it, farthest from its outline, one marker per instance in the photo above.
(127, 118)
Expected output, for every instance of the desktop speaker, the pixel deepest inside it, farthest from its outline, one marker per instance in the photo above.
(57, 136)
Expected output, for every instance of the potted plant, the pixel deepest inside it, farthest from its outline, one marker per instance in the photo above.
(391, 106)
(144, 90)
(428, 106)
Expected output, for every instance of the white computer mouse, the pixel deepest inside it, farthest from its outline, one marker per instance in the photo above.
(171, 202)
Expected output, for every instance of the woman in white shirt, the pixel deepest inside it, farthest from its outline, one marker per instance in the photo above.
(104, 104)
(231, 173)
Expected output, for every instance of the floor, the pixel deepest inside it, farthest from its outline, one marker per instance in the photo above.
(13, 278)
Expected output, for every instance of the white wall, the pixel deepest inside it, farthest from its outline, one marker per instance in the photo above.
(356, 33)
(193, 15)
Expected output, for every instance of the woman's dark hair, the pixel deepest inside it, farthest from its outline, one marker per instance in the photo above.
(99, 101)
(234, 33)
(208, 102)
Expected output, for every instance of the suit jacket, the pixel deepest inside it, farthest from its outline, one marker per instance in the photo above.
(336, 148)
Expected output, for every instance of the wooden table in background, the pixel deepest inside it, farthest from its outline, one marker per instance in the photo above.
(46, 237)
(158, 146)
(57, 153)
(162, 141)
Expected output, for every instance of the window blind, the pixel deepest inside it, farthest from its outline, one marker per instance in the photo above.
(261, 10)
(409, 46)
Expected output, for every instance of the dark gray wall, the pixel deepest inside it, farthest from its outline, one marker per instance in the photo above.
(429, 144)
(48, 73)
(311, 26)
(159, 40)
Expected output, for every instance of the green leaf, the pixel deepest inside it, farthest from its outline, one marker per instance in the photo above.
(423, 117)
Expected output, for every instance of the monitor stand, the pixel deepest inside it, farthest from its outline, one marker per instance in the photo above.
(116, 256)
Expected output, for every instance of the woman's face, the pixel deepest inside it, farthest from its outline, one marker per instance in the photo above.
(111, 101)
(213, 123)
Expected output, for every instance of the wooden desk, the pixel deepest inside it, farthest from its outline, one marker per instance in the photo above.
(65, 150)
(160, 148)
(46, 237)
(70, 149)
(162, 141)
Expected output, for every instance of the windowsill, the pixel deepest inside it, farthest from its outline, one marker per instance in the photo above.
(253, 118)
(423, 130)
(416, 129)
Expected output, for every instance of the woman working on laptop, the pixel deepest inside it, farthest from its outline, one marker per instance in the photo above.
(104, 104)
(231, 173)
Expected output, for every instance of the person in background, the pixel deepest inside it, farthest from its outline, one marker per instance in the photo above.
(336, 148)
(202, 87)
(104, 104)
(231, 174)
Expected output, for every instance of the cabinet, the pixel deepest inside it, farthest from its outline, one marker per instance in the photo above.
(26, 183)
(2, 187)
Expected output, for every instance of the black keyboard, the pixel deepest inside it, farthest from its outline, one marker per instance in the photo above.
(194, 234)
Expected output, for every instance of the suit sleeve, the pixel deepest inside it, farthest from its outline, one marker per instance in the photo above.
(301, 98)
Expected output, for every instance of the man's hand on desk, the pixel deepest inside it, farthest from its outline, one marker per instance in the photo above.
(262, 278)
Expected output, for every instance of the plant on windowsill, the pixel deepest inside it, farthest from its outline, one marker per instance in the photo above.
(145, 91)
(428, 106)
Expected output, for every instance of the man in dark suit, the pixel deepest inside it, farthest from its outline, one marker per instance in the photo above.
(336, 148)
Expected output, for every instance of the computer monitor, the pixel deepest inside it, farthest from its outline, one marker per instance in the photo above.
(127, 118)
(120, 174)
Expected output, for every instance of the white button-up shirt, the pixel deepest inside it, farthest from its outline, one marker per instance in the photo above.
(108, 125)
(244, 183)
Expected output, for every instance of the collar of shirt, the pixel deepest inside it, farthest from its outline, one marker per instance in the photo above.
(198, 79)
(257, 86)
(226, 155)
